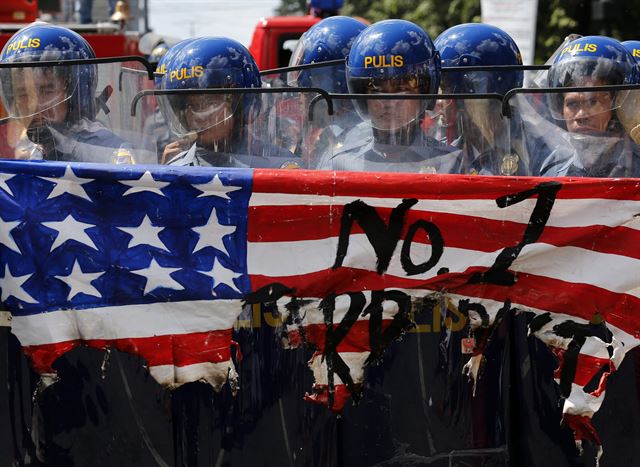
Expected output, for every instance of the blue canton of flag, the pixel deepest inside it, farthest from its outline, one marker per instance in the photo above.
(105, 255)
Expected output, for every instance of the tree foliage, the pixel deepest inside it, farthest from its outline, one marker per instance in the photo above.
(292, 7)
(556, 18)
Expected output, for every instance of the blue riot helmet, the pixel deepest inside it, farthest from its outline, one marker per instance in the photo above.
(161, 64)
(56, 94)
(211, 63)
(328, 40)
(477, 44)
(628, 113)
(591, 61)
(477, 124)
(393, 56)
(325, 8)
(633, 47)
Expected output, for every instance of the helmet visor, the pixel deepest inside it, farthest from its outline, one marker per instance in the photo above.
(39, 91)
(476, 122)
(199, 111)
(629, 114)
(480, 82)
(388, 113)
(330, 77)
(586, 106)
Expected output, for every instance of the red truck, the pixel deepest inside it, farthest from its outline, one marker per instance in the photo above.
(274, 39)
(107, 39)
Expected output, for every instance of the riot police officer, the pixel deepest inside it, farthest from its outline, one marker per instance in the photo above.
(393, 57)
(220, 125)
(326, 41)
(594, 143)
(56, 105)
(476, 125)
(156, 129)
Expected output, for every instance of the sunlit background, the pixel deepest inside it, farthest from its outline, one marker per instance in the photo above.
(193, 18)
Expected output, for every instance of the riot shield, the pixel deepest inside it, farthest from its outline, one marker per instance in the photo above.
(422, 133)
(579, 131)
(232, 127)
(538, 79)
(76, 110)
(330, 76)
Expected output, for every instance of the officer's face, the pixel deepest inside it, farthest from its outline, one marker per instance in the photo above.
(40, 96)
(392, 113)
(210, 116)
(587, 112)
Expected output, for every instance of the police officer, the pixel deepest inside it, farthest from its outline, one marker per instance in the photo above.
(218, 123)
(56, 105)
(476, 125)
(397, 57)
(595, 144)
(326, 41)
(156, 130)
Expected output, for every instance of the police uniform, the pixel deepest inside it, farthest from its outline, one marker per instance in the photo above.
(83, 142)
(621, 159)
(362, 153)
(262, 155)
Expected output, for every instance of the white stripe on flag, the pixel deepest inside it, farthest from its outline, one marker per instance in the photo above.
(570, 264)
(354, 360)
(565, 213)
(126, 321)
(215, 374)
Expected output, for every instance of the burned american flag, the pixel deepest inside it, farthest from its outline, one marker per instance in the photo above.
(159, 262)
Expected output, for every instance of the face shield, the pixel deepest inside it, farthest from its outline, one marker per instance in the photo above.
(330, 76)
(392, 114)
(39, 93)
(274, 129)
(629, 114)
(585, 72)
(539, 78)
(78, 112)
(294, 121)
(191, 113)
(587, 112)
(587, 137)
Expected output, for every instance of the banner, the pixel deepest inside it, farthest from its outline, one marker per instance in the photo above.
(518, 19)
(170, 264)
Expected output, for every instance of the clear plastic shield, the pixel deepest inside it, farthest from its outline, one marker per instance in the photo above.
(400, 134)
(197, 112)
(274, 129)
(332, 77)
(582, 133)
(539, 79)
(485, 80)
(38, 92)
(118, 84)
(77, 112)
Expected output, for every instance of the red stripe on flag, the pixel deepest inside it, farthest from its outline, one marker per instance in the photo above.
(543, 293)
(298, 223)
(356, 340)
(430, 186)
(320, 396)
(178, 349)
(587, 367)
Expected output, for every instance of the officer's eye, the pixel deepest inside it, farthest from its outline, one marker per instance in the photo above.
(572, 106)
